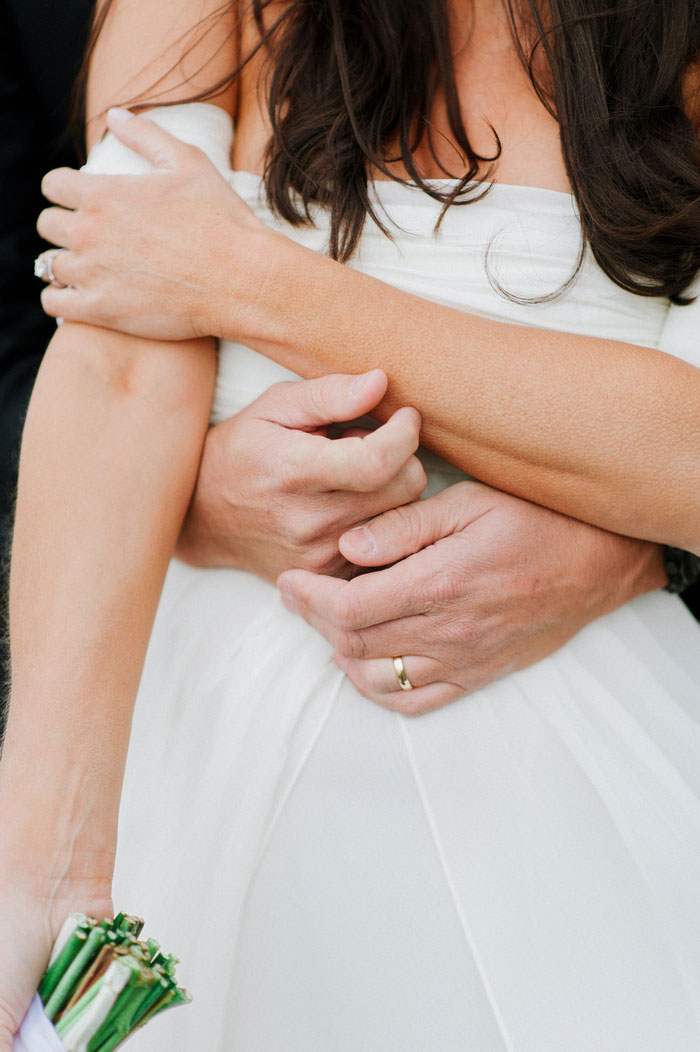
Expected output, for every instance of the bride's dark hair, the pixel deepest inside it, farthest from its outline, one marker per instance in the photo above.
(347, 78)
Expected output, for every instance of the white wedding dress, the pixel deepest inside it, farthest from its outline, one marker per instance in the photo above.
(519, 871)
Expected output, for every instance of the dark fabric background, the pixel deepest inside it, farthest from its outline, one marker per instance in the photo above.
(692, 599)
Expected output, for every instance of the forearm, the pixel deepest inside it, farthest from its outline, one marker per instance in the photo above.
(109, 458)
(575, 423)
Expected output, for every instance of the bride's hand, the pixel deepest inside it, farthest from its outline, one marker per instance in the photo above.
(140, 250)
(32, 917)
(275, 493)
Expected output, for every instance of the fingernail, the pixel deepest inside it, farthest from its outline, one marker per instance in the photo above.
(119, 114)
(362, 540)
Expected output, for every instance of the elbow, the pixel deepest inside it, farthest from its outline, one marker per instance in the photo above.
(156, 376)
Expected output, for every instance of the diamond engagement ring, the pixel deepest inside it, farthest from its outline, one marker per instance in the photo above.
(43, 268)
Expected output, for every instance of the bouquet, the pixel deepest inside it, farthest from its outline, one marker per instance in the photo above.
(102, 983)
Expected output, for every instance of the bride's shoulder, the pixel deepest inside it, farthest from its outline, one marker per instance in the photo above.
(149, 54)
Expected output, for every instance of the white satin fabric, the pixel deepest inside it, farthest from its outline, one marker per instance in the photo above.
(519, 871)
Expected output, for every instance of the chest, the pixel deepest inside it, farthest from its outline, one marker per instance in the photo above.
(498, 105)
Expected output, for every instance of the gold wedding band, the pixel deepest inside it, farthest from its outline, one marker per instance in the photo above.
(403, 680)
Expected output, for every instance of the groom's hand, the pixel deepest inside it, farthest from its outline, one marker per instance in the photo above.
(482, 584)
(275, 492)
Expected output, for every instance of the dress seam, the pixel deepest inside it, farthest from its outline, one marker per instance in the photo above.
(449, 880)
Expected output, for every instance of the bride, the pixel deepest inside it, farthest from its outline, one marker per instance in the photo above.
(519, 869)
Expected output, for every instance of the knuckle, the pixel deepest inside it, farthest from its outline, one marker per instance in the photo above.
(460, 632)
(43, 223)
(356, 646)
(346, 611)
(360, 684)
(311, 559)
(290, 479)
(407, 525)
(375, 680)
(275, 391)
(48, 183)
(193, 155)
(161, 156)
(87, 271)
(275, 399)
(342, 642)
(410, 707)
(377, 469)
(336, 637)
(47, 301)
(417, 476)
(317, 393)
(84, 233)
(446, 587)
(350, 610)
(92, 200)
(323, 558)
(301, 531)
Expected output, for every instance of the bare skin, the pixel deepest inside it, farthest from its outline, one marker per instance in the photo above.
(274, 493)
(546, 417)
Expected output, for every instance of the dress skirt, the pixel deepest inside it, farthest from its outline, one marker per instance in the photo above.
(518, 871)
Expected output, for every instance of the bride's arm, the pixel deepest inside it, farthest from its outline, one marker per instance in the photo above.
(601, 430)
(598, 429)
(109, 458)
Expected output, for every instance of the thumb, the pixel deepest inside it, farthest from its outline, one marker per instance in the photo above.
(403, 531)
(309, 404)
(145, 138)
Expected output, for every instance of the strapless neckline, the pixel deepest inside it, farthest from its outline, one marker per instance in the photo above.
(381, 186)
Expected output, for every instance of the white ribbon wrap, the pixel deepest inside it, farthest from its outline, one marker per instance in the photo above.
(36, 1033)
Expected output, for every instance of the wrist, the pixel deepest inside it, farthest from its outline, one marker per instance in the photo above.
(56, 856)
(648, 574)
(65, 880)
(274, 301)
(240, 307)
(58, 818)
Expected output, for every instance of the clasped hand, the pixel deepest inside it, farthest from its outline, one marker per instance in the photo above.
(467, 586)
(274, 491)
